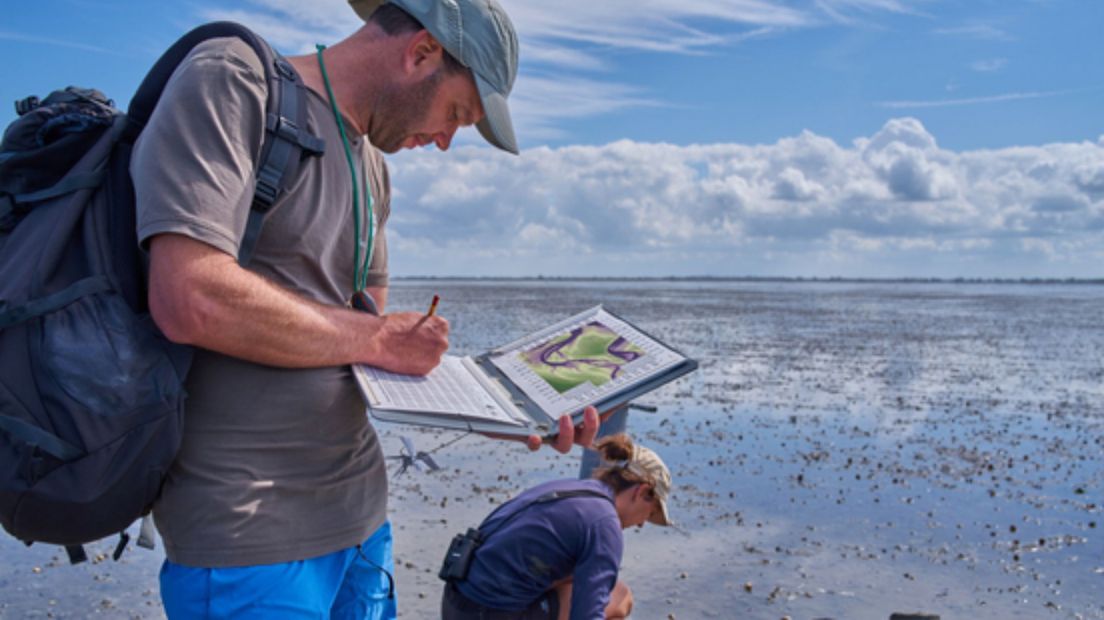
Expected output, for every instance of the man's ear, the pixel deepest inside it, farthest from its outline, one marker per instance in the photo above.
(423, 55)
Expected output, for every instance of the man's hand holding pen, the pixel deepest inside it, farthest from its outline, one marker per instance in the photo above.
(409, 343)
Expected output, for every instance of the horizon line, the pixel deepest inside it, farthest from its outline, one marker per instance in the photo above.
(706, 278)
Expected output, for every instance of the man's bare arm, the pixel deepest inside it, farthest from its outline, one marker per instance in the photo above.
(199, 295)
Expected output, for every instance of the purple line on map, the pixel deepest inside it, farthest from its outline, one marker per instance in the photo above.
(554, 356)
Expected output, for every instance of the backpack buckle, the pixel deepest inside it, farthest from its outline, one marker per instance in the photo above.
(287, 129)
(266, 191)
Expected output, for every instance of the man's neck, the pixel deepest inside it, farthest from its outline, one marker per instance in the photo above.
(354, 76)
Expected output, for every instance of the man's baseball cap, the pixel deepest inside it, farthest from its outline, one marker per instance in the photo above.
(647, 464)
(479, 34)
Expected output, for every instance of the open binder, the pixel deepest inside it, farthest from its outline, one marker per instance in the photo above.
(522, 388)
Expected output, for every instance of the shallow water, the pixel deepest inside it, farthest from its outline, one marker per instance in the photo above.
(846, 450)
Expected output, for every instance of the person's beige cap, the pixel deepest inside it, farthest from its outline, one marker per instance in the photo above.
(479, 34)
(648, 464)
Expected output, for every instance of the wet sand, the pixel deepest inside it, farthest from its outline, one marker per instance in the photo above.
(845, 451)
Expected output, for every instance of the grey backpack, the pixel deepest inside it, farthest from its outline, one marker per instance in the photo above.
(91, 392)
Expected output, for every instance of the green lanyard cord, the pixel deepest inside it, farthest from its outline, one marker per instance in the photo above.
(360, 269)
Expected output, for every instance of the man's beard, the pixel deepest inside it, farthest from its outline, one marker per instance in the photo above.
(400, 110)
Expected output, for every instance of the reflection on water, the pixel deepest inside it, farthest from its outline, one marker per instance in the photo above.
(846, 450)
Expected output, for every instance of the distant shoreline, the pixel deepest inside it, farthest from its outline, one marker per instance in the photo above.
(538, 278)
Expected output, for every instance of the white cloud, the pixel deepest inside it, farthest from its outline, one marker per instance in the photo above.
(905, 156)
(649, 25)
(793, 186)
(986, 32)
(631, 208)
(542, 53)
(845, 11)
(942, 103)
(539, 103)
(989, 65)
(25, 38)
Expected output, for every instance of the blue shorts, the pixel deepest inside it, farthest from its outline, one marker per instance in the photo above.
(352, 583)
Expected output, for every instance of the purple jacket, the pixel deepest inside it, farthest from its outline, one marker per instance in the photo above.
(545, 542)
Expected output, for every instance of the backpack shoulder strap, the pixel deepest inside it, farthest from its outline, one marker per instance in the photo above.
(286, 138)
(286, 142)
(551, 496)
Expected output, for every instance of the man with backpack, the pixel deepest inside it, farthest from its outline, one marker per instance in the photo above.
(276, 503)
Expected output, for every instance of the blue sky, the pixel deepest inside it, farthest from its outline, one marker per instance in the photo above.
(867, 138)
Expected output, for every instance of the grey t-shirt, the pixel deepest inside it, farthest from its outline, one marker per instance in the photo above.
(276, 464)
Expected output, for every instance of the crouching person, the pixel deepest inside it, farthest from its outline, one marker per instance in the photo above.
(554, 550)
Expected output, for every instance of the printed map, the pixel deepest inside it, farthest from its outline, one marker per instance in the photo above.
(591, 353)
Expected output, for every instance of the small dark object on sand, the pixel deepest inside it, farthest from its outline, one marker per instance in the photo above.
(913, 616)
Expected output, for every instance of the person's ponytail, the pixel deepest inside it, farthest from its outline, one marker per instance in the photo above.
(615, 448)
(616, 452)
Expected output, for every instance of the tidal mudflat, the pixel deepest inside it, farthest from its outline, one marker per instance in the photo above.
(847, 450)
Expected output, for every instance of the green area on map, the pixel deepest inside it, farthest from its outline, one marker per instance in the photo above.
(592, 353)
